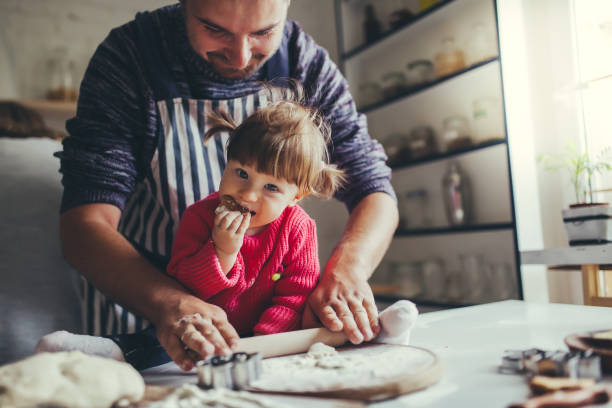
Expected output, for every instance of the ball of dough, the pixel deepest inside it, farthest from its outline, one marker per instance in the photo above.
(68, 379)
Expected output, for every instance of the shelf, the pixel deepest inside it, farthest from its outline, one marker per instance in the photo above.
(578, 255)
(52, 107)
(446, 155)
(388, 33)
(454, 230)
(423, 87)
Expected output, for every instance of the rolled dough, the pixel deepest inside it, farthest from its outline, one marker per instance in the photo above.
(68, 379)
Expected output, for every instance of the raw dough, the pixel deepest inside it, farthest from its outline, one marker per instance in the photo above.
(396, 321)
(68, 379)
(92, 345)
(190, 396)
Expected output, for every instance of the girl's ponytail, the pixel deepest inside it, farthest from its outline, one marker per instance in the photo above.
(330, 179)
(219, 121)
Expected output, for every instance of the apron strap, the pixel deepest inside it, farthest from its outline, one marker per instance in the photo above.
(148, 41)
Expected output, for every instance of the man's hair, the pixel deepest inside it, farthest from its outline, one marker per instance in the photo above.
(285, 139)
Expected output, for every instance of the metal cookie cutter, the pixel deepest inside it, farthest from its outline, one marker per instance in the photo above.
(556, 363)
(236, 371)
(515, 361)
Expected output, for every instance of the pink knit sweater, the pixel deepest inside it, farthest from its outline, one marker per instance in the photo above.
(256, 300)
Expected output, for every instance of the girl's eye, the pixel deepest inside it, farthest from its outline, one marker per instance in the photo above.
(242, 174)
(271, 187)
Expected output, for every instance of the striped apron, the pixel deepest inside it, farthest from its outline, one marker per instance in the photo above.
(182, 171)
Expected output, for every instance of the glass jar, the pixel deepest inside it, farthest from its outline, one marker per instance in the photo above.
(422, 142)
(414, 209)
(455, 132)
(480, 45)
(393, 84)
(502, 281)
(450, 59)
(474, 278)
(400, 15)
(396, 148)
(420, 72)
(434, 280)
(407, 279)
(62, 83)
(369, 94)
(488, 119)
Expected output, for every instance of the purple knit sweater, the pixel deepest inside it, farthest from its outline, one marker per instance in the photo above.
(114, 134)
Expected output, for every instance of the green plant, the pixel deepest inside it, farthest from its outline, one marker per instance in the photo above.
(580, 166)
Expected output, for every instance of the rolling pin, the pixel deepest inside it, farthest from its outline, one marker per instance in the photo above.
(294, 342)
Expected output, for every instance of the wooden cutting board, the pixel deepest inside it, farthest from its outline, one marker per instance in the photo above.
(377, 372)
(374, 372)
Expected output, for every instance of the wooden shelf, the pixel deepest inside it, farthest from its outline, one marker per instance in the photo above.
(388, 33)
(424, 87)
(52, 107)
(449, 154)
(454, 229)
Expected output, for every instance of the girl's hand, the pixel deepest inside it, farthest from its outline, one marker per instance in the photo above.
(228, 232)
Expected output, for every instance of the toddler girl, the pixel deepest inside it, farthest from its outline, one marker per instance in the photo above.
(255, 256)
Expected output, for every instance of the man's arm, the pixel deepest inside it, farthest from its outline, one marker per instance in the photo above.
(343, 300)
(92, 244)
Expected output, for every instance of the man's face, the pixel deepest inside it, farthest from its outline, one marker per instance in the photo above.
(235, 36)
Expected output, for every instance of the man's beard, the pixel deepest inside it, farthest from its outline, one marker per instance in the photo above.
(219, 64)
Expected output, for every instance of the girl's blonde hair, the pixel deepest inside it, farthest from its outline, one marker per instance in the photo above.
(285, 139)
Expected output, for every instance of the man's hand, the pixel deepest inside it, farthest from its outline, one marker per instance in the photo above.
(195, 325)
(344, 304)
(343, 300)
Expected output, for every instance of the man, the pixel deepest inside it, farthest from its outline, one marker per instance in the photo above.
(134, 160)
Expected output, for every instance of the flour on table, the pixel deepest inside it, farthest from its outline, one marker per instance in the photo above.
(191, 396)
(68, 379)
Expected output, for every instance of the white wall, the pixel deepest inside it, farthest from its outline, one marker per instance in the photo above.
(543, 114)
(33, 30)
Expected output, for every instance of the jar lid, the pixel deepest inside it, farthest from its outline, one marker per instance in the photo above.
(418, 63)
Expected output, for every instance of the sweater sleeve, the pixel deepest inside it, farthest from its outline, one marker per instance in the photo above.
(353, 150)
(194, 260)
(103, 157)
(298, 279)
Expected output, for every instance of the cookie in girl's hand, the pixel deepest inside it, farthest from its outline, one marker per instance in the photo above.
(229, 203)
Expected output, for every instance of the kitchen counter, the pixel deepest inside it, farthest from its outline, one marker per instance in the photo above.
(470, 342)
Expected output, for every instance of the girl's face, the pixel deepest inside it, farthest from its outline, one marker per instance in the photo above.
(268, 196)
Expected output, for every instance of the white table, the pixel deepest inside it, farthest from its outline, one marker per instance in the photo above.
(470, 342)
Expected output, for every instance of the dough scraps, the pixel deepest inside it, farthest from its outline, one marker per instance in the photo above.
(68, 379)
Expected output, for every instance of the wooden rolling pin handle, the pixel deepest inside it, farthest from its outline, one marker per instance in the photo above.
(299, 341)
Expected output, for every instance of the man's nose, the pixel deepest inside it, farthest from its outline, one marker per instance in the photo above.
(241, 53)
